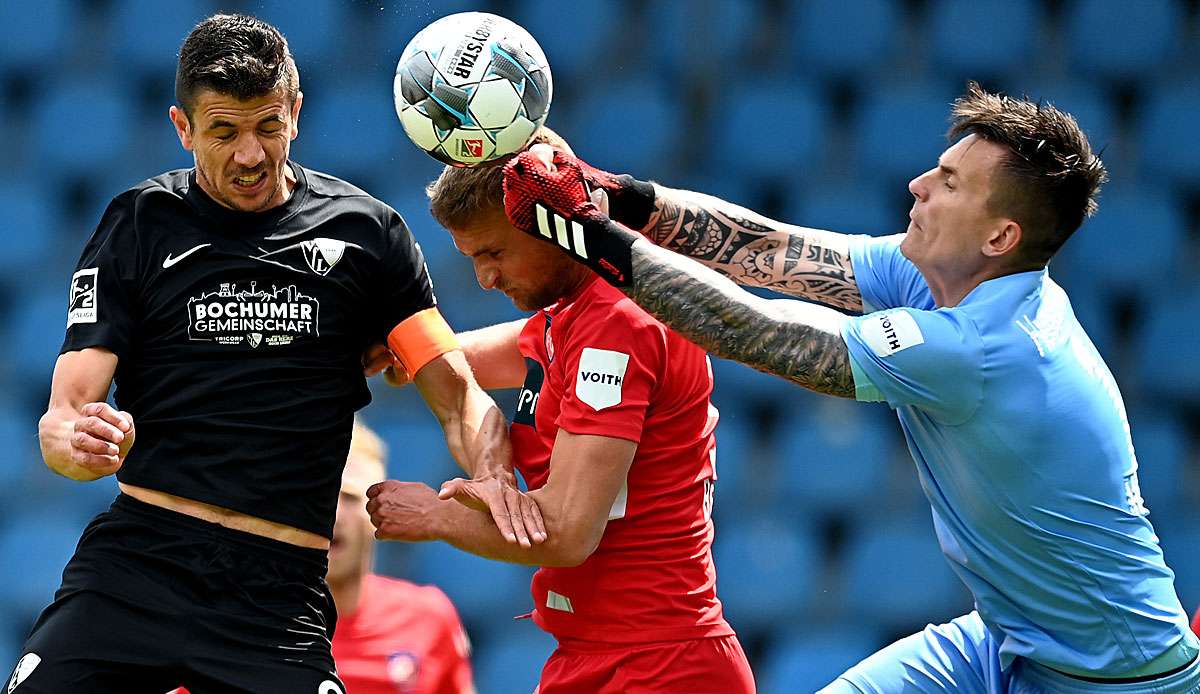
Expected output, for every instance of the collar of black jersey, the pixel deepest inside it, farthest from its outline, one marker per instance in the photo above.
(235, 220)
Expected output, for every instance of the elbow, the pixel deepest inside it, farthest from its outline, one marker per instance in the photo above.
(570, 547)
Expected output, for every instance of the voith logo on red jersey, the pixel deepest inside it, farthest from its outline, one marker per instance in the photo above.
(470, 148)
(600, 377)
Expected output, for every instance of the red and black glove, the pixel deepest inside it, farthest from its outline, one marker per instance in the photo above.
(555, 207)
(630, 201)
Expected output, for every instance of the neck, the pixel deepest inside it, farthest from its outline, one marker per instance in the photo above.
(949, 292)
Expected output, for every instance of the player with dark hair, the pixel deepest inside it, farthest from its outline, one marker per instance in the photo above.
(614, 434)
(1015, 423)
(232, 304)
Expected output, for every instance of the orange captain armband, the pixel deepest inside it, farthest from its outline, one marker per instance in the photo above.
(421, 338)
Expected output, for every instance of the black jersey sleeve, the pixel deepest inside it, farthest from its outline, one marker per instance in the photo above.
(101, 310)
(406, 287)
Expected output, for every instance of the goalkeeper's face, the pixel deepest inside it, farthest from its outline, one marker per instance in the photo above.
(240, 146)
(530, 272)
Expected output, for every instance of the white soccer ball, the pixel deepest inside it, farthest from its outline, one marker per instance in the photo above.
(472, 87)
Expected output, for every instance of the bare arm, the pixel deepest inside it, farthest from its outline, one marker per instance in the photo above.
(799, 341)
(753, 250)
(82, 437)
(586, 474)
(476, 431)
(494, 355)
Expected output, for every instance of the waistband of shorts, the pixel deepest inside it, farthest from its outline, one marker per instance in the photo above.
(126, 505)
(1056, 681)
(586, 646)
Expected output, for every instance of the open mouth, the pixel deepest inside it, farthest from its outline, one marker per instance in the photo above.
(250, 183)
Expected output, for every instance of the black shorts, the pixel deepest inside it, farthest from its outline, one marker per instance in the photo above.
(154, 599)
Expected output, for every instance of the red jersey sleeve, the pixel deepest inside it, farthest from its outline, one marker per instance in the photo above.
(1196, 623)
(612, 360)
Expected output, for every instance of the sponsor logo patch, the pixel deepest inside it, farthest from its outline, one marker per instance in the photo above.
(403, 667)
(322, 254)
(888, 333)
(527, 399)
(232, 315)
(82, 308)
(470, 148)
(601, 373)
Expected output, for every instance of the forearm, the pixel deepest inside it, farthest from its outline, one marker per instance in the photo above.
(795, 340)
(481, 436)
(494, 356)
(473, 531)
(752, 250)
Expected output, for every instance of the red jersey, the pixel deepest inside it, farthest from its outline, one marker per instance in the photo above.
(600, 365)
(403, 639)
(1196, 623)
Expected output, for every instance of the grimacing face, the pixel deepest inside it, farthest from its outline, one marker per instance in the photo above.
(950, 218)
(530, 272)
(241, 147)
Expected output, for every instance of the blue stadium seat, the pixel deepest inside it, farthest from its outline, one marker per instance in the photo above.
(704, 38)
(509, 658)
(806, 659)
(628, 126)
(1152, 216)
(842, 38)
(737, 385)
(32, 217)
(36, 546)
(110, 113)
(352, 128)
(1123, 40)
(771, 128)
(1011, 27)
(900, 131)
(896, 576)
(316, 33)
(741, 463)
(148, 35)
(1161, 442)
(38, 324)
(35, 33)
(577, 38)
(1165, 346)
(417, 449)
(483, 590)
(766, 571)
(18, 425)
(835, 456)
(399, 22)
(858, 207)
(1165, 133)
(12, 637)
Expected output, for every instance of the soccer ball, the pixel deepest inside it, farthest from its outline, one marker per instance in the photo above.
(472, 87)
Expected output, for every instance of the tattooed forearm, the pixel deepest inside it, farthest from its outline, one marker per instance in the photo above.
(799, 341)
(753, 250)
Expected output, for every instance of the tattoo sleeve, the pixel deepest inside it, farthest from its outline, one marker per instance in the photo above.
(753, 250)
(797, 340)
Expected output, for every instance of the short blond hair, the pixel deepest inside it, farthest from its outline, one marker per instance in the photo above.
(461, 193)
(366, 463)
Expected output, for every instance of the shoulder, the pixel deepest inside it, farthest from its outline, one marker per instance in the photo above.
(426, 600)
(349, 197)
(607, 306)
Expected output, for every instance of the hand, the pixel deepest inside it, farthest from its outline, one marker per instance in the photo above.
(550, 200)
(101, 438)
(627, 200)
(516, 515)
(403, 510)
(379, 358)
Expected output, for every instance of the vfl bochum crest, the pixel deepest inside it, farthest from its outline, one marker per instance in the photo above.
(322, 254)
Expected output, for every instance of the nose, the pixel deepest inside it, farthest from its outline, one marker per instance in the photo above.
(487, 275)
(249, 152)
(919, 186)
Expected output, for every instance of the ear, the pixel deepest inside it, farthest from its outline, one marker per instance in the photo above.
(296, 115)
(1003, 240)
(183, 127)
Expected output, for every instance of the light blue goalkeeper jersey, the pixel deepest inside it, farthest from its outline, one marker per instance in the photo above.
(1023, 448)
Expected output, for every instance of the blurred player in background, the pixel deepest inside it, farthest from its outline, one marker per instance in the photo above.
(392, 636)
(232, 303)
(1017, 427)
(614, 433)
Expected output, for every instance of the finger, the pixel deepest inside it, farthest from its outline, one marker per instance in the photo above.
(396, 377)
(99, 464)
(512, 506)
(374, 490)
(106, 413)
(87, 443)
(599, 197)
(533, 519)
(501, 516)
(451, 488)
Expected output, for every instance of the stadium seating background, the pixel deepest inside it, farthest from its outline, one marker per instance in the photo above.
(817, 112)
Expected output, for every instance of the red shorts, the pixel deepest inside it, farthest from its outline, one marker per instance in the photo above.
(698, 666)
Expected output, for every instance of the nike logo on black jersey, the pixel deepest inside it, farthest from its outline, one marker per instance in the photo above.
(169, 261)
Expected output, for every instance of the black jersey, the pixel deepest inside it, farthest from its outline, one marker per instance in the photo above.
(239, 336)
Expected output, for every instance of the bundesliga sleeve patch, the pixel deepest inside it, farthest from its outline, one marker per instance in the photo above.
(82, 308)
(888, 333)
(601, 372)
